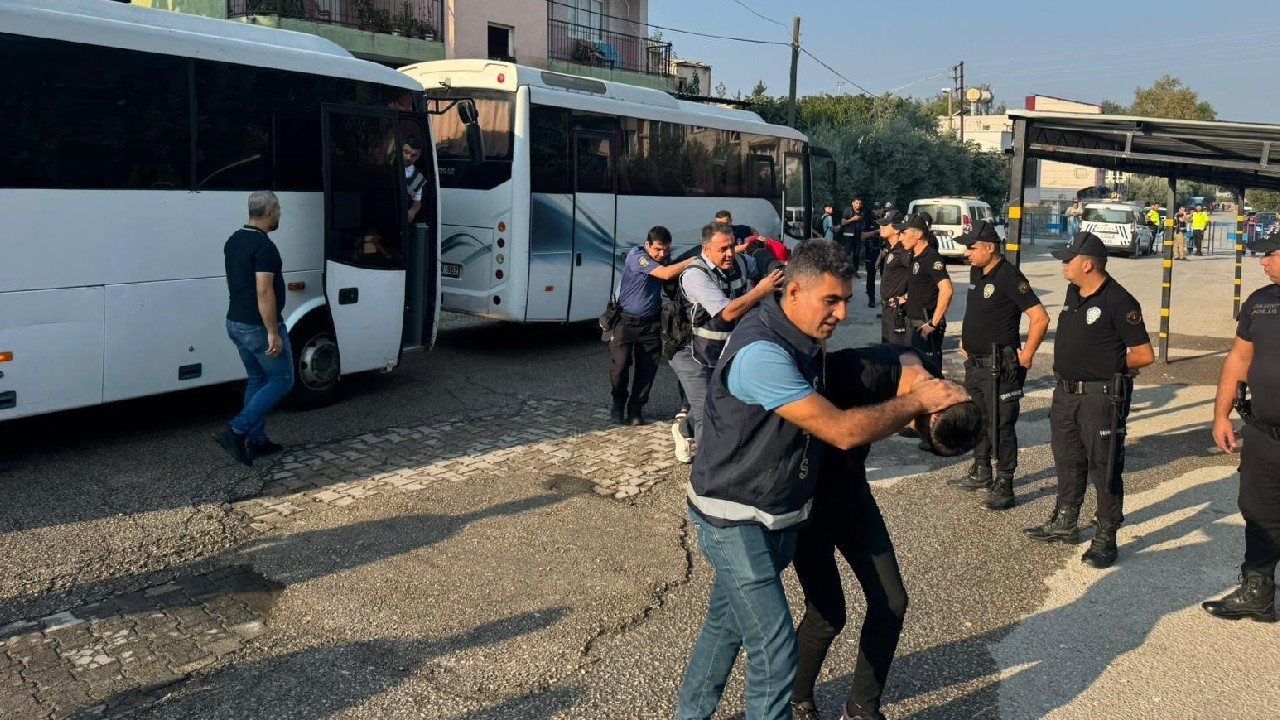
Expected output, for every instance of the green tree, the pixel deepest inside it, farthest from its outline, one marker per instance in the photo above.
(1263, 199)
(1169, 98)
(1111, 107)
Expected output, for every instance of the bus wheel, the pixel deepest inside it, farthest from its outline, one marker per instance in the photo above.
(316, 365)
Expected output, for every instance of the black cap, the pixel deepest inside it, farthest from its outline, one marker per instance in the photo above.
(1084, 243)
(982, 232)
(1268, 243)
(919, 222)
(894, 218)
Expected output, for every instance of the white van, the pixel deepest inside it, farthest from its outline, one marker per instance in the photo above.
(1120, 226)
(952, 217)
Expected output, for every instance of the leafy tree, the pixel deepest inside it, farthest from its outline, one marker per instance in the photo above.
(1263, 199)
(721, 90)
(1111, 107)
(1169, 98)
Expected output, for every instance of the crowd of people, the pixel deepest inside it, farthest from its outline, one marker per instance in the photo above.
(778, 429)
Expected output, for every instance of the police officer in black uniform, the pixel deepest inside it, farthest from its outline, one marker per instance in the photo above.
(636, 338)
(1252, 360)
(996, 362)
(1100, 343)
(894, 265)
(928, 293)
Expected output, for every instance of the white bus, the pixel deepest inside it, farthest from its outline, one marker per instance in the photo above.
(130, 139)
(577, 170)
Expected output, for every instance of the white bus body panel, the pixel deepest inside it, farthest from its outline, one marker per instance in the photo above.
(56, 337)
(368, 330)
(594, 262)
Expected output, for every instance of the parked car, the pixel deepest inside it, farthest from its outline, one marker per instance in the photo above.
(952, 217)
(1120, 226)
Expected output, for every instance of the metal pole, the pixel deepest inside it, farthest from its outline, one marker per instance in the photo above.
(1013, 239)
(795, 67)
(962, 99)
(1166, 285)
(1235, 309)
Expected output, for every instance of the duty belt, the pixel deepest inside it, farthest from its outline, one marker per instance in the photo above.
(991, 361)
(1087, 387)
(1244, 406)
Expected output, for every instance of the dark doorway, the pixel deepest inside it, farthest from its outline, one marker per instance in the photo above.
(500, 43)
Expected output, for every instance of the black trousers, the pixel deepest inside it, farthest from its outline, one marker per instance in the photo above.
(978, 376)
(638, 341)
(1260, 500)
(870, 255)
(848, 520)
(1081, 429)
(930, 348)
(1197, 240)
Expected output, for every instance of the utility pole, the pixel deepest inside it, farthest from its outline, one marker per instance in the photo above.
(795, 67)
(960, 89)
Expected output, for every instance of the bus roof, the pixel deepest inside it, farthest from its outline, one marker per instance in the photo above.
(484, 74)
(111, 24)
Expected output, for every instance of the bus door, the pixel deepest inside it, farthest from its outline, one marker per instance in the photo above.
(422, 247)
(365, 235)
(594, 217)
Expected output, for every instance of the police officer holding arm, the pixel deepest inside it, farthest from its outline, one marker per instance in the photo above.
(894, 265)
(996, 362)
(929, 293)
(1251, 368)
(636, 338)
(1101, 342)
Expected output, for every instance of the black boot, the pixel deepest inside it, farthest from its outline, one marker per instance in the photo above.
(615, 413)
(1254, 599)
(635, 416)
(1000, 496)
(978, 477)
(1102, 551)
(1061, 526)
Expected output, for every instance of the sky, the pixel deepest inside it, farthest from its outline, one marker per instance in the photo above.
(1081, 51)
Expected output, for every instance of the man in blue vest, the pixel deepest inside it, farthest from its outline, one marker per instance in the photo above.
(754, 475)
(716, 287)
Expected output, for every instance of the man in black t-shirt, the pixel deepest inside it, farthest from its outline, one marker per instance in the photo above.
(1252, 359)
(255, 324)
(929, 293)
(996, 361)
(1100, 343)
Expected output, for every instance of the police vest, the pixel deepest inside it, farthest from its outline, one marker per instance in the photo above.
(753, 466)
(711, 332)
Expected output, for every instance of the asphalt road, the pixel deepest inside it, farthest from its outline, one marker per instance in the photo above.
(517, 583)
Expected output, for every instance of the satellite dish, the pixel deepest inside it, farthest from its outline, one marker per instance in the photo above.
(973, 94)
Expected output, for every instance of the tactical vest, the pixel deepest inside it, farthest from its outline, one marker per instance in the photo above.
(711, 332)
(753, 466)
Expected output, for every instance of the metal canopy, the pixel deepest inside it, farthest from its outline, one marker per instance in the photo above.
(1232, 155)
(1236, 156)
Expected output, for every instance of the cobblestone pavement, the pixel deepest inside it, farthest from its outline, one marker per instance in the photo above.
(131, 648)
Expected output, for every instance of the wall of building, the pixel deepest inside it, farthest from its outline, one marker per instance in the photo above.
(467, 28)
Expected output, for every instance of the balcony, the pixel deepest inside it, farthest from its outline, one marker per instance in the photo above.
(417, 19)
(593, 47)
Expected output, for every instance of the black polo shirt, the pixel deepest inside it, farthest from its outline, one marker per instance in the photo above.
(993, 312)
(247, 252)
(1259, 323)
(894, 272)
(927, 270)
(855, 377)
(1095, 332)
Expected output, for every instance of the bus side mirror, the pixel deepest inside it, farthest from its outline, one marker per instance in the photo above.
(475, 139)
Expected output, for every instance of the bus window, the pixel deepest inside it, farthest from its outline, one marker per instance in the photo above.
(495, 116)
(366, 215)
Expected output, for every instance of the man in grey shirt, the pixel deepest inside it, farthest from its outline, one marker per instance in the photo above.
(716, 287)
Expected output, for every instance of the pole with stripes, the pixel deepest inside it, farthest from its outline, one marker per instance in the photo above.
(1235, 311)
(1166, 285)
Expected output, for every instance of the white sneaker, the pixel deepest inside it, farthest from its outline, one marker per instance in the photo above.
(684, 446)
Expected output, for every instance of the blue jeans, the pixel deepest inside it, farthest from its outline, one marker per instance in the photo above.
(270, 378)
(694, 378)
(748, 608)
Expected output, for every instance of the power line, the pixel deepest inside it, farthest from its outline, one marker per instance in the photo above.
(835, 72)
(762, 17)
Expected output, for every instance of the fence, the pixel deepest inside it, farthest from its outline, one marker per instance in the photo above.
(410, 18)
(595, 47)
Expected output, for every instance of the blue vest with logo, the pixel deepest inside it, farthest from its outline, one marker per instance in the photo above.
(711, 332)
(753, 466)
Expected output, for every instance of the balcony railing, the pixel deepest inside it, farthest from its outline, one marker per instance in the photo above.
(595, 47)
(420, 19)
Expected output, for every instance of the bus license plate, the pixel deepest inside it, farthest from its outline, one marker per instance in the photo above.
(451, 270)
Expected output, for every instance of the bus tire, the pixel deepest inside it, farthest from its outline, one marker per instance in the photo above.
(316, 363)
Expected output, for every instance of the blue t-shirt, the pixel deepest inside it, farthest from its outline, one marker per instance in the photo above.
(764, 374)
(640, 293)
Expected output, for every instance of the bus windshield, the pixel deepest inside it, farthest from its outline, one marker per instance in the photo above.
(494, 112)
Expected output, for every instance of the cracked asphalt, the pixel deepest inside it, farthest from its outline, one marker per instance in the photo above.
(468, 537)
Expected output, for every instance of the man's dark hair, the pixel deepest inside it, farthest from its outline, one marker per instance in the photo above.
(1099, 263)
(414, 142)
(712, 229)
(955, 431)
(819, 257)
(658, 234)
(723, 214)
